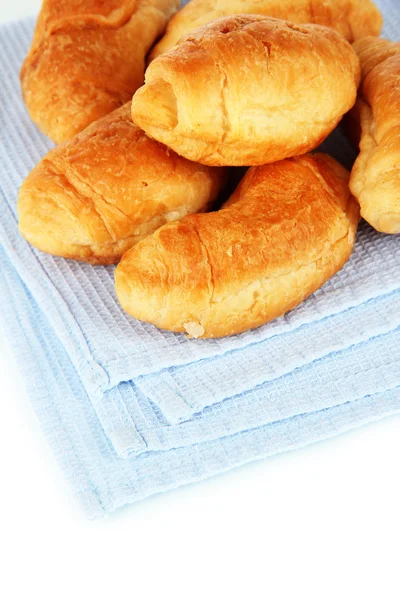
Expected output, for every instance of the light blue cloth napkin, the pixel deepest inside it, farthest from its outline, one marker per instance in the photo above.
(184, 391)
(337, 352)
(99, 478)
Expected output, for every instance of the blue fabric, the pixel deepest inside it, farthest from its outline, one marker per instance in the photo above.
(130, 410)
(99, 478)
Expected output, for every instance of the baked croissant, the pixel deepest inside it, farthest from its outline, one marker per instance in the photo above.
(352, 18)
(287, 228)
(95, 196)
(248, 90)
(87, 58)
(375, 178)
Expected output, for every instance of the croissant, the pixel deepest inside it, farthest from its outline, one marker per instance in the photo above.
(375, 178)
(287, 228)
(95, 196)
(352, 18)
(87, 58)
(248, 90)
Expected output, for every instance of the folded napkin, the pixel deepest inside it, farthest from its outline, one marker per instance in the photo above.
(131, 410)
(101, 480)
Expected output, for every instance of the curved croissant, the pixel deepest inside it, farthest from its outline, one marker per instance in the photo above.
(87, 59)
(375, 178)
(352, 18)
(287, 228)
(248, 90)
(95, 196)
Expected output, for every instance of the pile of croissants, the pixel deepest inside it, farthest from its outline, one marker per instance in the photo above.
(232, 83)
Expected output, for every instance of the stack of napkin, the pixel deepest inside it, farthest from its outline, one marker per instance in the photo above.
(130, 410)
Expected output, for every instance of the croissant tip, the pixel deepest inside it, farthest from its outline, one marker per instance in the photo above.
(164, 109)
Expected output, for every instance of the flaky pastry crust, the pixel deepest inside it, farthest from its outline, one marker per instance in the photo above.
(95, 196)
(287, 228)
(351, 18)
(375, 178)
(87, 59)
(248, 90)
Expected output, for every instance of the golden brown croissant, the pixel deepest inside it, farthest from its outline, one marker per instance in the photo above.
(375, 178)
(288, 228)
(248, 90)
(95, 196)
(352, 18)
(87, 58)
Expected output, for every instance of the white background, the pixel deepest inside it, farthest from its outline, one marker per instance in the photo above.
(317, 524)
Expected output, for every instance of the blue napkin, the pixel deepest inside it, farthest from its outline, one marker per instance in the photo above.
(168, 409)
(102, 481)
